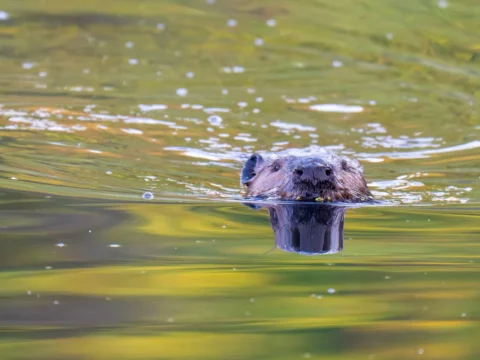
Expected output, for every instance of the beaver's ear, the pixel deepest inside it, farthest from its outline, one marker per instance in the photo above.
(351, 164)
(251, 167)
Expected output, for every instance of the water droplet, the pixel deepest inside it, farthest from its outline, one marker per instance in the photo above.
(28, 65)
(271, 22)
(442, 4)
(337, 63)
(182, 92)
(232, 23)
(258, 42)
(215, 120)
(4, 15)
(147, 195)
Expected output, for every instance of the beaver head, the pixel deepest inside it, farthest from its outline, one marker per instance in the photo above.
(321, 177)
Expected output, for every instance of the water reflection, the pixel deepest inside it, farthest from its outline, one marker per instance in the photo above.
(307, 229)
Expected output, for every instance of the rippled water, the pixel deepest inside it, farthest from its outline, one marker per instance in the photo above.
(102, 103)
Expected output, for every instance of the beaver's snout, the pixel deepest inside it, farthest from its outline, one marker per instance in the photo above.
(313, 173)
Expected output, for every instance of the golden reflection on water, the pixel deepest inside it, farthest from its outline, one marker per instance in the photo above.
(206, 286)
(103, 101)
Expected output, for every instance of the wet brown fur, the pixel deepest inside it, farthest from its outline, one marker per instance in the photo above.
(275, 178)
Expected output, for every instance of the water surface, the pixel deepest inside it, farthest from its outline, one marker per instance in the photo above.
(104, 101)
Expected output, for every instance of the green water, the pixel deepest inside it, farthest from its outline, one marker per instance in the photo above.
(101, 102)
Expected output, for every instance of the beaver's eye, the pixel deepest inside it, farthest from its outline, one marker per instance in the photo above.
(276, 167)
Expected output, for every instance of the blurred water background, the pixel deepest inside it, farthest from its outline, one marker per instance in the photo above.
(103, 102)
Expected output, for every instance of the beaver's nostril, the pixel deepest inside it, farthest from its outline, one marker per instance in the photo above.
(299, 171)
(328, 171)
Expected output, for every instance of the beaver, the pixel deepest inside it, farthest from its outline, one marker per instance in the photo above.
(323, 177)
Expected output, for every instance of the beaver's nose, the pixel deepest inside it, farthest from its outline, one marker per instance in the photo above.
(313, 173)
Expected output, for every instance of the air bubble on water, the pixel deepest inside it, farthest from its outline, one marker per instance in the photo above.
(442, 4)
(256, 111)
(114, 245)
(251, 91)
(389, 36)
(420, 351)
(108, 172)
(182, 92)
(56, 302)
(238, 69)
(242, 104)
(60, 245)
(252, 300)
(271, 22)
(259, 99)
(13, 178)
(147, 195)
(160, 26)
(129, 44)
(464, 314)
(48, 267)
(170, 320)
(28, 65)
(215, 120)
(331, 290)
(337, 63)
(258, 42)
(224, 91)
(133, 61)
(190, 74)
(4, 16)
(29, 292)
(232, 23)
(42, 74)
(372, 102)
